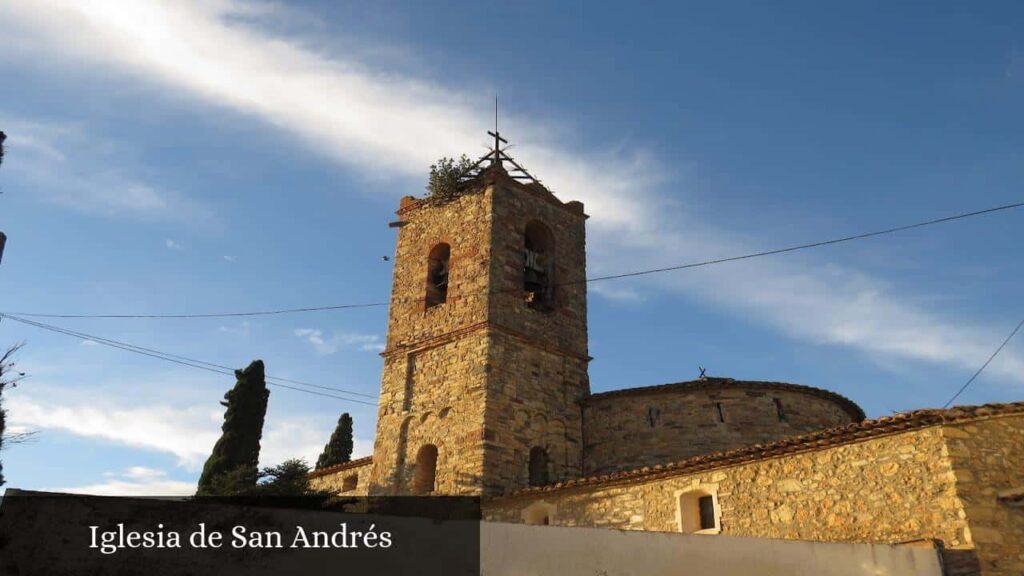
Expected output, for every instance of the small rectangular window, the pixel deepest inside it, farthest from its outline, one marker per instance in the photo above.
(350, 483)
(707, 512)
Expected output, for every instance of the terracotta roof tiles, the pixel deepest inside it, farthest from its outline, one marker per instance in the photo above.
(343, 466)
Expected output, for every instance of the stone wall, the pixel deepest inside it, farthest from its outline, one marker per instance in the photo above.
(988, 461)
(435, 397)
(563, 328)
(896, 488)
(484, 376)
(640, 427)
(532, 403)
(953, 477)
(338, 478)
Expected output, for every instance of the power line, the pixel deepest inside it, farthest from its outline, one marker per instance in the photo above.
(191, 362)
(985, 365)
(805, 246)
(588, 280)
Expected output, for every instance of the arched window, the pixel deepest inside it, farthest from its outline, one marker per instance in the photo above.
(538, 266)
(539, 466)
(426, 470)
(437, 274)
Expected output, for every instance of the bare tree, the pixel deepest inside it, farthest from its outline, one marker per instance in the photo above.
(9, 376)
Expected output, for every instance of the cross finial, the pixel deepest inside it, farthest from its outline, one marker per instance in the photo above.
(498, 140)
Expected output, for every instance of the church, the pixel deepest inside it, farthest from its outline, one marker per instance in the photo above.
(485, 392)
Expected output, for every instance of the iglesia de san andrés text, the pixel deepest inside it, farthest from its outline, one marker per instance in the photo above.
(485, 392)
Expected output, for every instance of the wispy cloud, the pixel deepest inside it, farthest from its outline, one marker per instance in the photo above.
(381, 122)
(133, 481)
(187, 433)
(242, 329)
(339, 340)
(172, 245)
(62, 165)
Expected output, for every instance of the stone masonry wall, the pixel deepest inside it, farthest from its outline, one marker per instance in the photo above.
(482, 376)
(624, 431)
(532, 401)
(988, 459)
(433, 396)
(565, 327)
(335, 480)
(432, 386)
(890, 489)
(465, 225)
(538, 359)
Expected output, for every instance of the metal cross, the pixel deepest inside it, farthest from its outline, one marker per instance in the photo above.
(498, 140)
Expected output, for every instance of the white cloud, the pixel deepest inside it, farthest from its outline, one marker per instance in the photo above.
(142, 473)
(65, 166)
(228, 258)
(339, 340)
(242, 329)
(386, 123)
(186, 433)
(172, 245)
(133, 481)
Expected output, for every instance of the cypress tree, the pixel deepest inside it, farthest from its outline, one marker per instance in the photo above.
(233, 465)
(339, 449)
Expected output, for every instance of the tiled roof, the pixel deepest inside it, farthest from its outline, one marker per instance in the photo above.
(710, 382)
(343, 466)
(806, 442)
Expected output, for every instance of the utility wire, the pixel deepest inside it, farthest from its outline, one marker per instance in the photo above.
(588, 280)
(98, 339)
(985, 365)
(191, 362)
(805, 246)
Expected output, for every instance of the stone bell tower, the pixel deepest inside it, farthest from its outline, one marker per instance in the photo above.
(486, 357)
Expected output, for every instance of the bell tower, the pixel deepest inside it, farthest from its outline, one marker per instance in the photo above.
(486, 357)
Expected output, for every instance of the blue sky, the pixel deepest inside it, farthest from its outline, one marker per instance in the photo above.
(223, 155)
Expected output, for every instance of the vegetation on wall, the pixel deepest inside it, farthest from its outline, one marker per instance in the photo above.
(448, 179)
(339, 448)
(233, 465)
